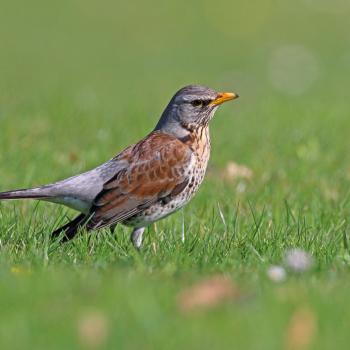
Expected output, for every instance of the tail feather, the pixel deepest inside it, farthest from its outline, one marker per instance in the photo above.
(71, 229)
(34, 193)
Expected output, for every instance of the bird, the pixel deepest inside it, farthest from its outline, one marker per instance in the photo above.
(148, 180)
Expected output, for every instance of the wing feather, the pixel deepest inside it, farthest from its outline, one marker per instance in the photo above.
(157, 166)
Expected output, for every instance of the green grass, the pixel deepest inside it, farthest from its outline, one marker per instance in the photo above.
(82, 80)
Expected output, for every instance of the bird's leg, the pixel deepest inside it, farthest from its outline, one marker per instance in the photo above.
(136, 237)
(112, 228)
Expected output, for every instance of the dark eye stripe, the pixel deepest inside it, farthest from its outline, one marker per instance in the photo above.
(197, 103)
(206, 102)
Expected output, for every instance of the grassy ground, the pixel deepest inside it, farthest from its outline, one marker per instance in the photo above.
(81, 80)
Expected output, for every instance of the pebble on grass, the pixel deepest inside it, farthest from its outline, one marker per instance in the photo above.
(301, 330)
(277, 273)
(208, 293)
(93, 329)
(235, 171)
(298, 260)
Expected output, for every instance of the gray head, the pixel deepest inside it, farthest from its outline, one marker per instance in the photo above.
(191, 107)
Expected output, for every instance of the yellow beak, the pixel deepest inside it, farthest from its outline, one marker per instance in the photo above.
(223, 97)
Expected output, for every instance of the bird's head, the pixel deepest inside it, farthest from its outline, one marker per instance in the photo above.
(191, 107)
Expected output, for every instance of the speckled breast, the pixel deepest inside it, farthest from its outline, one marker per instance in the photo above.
(200, 145)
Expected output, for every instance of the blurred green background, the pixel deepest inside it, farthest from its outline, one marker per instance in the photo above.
(81, 80)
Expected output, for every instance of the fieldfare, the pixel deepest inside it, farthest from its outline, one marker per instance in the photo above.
(148, 180)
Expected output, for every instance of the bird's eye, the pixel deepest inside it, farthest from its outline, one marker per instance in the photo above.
(196, 103)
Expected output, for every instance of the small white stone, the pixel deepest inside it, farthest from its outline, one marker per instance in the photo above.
(298, 260)
(276, 273)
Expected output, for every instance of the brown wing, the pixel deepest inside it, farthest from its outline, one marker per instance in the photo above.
(158, 169)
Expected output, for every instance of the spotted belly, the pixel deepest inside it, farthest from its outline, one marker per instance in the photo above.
(199, 143)
(160, 209)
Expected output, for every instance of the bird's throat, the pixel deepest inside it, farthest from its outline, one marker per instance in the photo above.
(198, 139)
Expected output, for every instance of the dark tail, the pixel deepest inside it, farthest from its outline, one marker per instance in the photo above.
(71, 229)
(34, 193)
